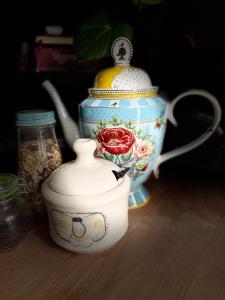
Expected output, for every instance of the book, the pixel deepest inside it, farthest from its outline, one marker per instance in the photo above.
(54, 59)
(54, 40)
(54, 53)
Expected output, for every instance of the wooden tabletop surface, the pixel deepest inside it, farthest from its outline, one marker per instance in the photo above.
(174, 249)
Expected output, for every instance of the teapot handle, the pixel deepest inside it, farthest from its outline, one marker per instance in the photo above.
(196, 142)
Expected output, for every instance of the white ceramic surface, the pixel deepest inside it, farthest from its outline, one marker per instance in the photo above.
(91, 221)
(86, 175)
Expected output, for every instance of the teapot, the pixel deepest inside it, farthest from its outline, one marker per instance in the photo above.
(127, 118)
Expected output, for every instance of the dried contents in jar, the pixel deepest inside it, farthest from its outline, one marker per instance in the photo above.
(37, 160)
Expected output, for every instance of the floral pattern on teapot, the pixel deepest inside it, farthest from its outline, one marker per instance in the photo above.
(127, 143)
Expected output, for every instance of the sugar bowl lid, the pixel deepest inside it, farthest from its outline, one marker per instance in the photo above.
(122, 78)
(87, 175)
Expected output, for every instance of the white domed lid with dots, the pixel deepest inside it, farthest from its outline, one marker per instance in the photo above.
(122, 78)
(86, 175)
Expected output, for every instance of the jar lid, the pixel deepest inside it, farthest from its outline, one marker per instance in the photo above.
(87, 175)
(35, 117)
(122, 79)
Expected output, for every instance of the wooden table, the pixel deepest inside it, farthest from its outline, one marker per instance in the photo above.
(174, 249)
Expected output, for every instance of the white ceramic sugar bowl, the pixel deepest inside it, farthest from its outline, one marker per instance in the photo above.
(87, 201)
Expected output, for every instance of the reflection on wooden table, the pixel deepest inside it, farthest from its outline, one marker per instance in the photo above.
(174, 249)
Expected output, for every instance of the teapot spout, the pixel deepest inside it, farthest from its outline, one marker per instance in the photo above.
(69, 126)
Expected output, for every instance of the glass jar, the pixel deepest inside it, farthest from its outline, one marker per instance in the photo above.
(15, 213)
(38, 153)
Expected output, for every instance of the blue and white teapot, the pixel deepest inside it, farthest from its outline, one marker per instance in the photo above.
(127, 118)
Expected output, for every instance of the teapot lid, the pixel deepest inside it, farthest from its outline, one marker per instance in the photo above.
(87, 175)
(122, 78)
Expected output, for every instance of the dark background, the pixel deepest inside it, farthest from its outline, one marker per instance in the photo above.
(179, 43)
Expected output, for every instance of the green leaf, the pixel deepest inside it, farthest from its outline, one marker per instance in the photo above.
(115, 121)
(130, 124)
(101, 124)
(93, 38)
(108, 156)
(126, 157)
(122, 29)
(141, 3)
(140, 166)
(139, 133)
